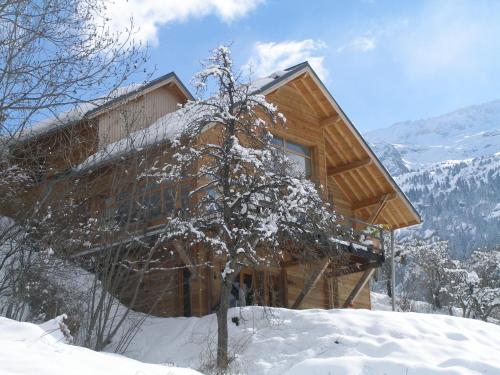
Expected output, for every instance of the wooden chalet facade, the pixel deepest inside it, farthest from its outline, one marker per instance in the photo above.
(318, 136)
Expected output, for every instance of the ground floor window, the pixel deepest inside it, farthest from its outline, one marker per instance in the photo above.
(257, 288)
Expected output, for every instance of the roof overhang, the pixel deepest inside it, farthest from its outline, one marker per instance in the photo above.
(165, 80)
(305, 69)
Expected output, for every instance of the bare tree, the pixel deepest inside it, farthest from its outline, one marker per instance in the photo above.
(56, 53)
(58, 59)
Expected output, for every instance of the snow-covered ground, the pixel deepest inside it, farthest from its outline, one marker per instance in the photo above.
(29, 349)
(270, 341)
(382, 302)
(282, 341)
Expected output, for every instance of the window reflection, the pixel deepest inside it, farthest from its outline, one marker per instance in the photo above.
(299, 155)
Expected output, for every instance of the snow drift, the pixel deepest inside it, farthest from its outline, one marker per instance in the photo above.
(282, 341)
(270, 341)
(28, 349)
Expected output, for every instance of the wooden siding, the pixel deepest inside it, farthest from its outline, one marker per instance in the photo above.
(347, 283)
(296, 278)
(310, 122)
(137, 114)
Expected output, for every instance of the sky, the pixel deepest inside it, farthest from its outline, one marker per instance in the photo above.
(383, 61)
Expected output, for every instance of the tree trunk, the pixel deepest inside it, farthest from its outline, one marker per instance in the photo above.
(222, 332)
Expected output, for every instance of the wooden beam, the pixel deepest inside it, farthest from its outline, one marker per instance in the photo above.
(351, 268)
(336, 301)
(284, 287)
(311, 282)
(306, 81)
(372, 201)
(359, 286)
(332, 171)
(331, 303)
(178, 246)
(336, 147)
(309, 102)
(330, 121)
(375, 214)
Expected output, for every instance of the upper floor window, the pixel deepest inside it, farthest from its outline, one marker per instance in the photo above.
(149, 202)
(299, 155)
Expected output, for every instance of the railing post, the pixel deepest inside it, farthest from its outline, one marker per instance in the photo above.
(393, 273)
(382, 242)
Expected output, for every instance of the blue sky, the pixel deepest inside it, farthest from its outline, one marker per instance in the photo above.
(384, 61)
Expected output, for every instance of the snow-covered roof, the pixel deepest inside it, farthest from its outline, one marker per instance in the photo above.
(170, 126)
(167, 128)
(92, 108)
(63, 119)
(261, 84)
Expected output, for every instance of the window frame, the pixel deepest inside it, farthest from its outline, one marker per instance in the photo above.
(116, 206)
(286, 150)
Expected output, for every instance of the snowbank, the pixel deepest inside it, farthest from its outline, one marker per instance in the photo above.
(281, 341)
(28, 349)
(270, 341)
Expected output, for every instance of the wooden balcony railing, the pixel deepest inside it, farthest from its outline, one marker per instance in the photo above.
(361, 236)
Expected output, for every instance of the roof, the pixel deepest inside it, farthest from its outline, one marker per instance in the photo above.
(91, 109)
(275, 80)
(168, 127)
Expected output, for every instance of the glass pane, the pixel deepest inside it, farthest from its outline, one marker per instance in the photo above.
(304, 150)
(298, 163)
(154, 204)
(185, 190)
(308, 168)
(212, 194)
(169, 200)
(123, 212)
(277, 141)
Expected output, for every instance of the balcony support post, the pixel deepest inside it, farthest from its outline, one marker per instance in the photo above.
(393, 273)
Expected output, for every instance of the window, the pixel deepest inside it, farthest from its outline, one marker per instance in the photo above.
(124, 209)
(299, 155)
(169, 200)
(150, 202)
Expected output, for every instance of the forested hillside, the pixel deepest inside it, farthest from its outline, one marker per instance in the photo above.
(449, 166)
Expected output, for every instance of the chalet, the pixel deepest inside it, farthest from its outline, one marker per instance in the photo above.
(318, 137)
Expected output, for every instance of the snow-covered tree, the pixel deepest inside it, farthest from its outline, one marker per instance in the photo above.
(486, 290)
(461, 286)
(425, 269)
(430, 273)
(246, 200)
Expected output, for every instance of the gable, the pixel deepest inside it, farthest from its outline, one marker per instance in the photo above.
(138, 113)
(364, 188)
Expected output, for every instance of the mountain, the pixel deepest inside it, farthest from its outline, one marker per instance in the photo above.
(449, 166)
(463, 134)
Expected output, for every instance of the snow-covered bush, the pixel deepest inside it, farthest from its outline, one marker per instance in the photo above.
(427, 272)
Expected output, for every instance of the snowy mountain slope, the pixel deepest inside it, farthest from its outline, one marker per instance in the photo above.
(463, 134)
(459, 201)
(282, 341)
(28, 349)
(449, 168)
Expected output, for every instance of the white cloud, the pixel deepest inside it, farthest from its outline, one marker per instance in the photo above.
(272, 56)
(362, 44)
(149, 15)
(448, 36)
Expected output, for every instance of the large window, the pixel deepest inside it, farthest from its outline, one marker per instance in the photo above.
(299, 155)
(150, 202)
